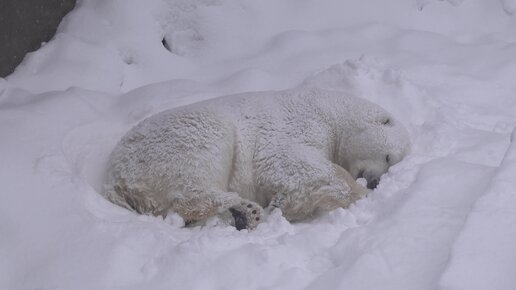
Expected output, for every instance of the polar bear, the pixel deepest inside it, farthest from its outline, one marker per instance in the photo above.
(297, 150)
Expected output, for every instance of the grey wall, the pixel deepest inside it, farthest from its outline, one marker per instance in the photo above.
(24, 25)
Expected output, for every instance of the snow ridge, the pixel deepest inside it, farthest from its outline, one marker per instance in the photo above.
(484, 254)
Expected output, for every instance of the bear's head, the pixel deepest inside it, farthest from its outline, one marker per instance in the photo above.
(379, 142)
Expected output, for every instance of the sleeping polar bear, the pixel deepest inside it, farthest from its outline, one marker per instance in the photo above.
(299, 151)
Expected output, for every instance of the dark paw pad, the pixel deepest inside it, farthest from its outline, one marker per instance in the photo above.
(240, 219)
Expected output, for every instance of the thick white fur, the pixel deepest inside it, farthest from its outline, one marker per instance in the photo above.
(297, 150)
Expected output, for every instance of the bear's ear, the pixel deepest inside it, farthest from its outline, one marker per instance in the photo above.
(386, 121)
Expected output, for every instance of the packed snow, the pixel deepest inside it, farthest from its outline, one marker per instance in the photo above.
(443, 218)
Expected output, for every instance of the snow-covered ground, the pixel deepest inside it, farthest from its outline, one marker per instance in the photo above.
(445, 217)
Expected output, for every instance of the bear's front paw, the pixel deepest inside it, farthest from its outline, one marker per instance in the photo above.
(247, 215)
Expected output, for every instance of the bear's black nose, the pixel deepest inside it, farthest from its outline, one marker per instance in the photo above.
(371, 184)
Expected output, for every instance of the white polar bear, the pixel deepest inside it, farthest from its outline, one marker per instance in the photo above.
(289, 149)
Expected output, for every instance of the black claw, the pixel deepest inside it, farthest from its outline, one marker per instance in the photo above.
(189, 222)
(240, 219)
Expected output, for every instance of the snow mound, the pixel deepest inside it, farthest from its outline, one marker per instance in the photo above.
(366, 78)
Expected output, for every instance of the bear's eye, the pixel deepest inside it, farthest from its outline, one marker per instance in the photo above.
(388, 159)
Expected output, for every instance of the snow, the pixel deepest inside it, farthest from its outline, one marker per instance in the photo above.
(442, 218)
(484, 247)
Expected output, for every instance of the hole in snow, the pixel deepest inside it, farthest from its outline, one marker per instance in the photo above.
(128, 59)
(165, 44)
(127, 56)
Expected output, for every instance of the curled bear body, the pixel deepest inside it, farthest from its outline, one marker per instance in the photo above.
(297, 150)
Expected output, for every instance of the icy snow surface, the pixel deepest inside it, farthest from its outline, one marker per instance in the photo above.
(445, 217)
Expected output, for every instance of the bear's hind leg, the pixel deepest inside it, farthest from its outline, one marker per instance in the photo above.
(200, 206)
(247, 214)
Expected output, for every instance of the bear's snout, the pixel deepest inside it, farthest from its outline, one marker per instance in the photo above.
(372, 180)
